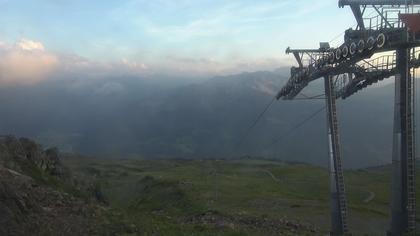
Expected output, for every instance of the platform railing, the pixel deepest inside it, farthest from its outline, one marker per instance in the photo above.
(390, 17)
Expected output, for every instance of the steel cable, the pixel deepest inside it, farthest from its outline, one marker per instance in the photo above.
(248, 131)
(297, 126)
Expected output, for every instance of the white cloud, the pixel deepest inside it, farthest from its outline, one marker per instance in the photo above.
(26, 62)
(189, 66)
(137, 66)
(29, 45)
(74, 64)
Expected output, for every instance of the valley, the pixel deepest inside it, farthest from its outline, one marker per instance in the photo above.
(236, 197)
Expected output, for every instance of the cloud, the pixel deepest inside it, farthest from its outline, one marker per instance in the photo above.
(234, 19)
(29, 45)
(80, 66)
(133, 65)
(203, 66)
(26, 62)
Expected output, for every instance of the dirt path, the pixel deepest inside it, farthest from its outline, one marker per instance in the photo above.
(370, 197)
(271, 175)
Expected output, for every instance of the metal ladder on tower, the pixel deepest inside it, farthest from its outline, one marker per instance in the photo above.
(337, 162)
(411, 162)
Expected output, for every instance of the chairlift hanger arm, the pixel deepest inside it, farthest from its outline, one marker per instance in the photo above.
(299, 53)
(288, 50)
(298, 58)
(358, 14)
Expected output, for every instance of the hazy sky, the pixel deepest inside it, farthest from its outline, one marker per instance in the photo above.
(182, 36)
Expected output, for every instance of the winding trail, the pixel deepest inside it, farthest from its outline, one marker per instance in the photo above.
(284, 179)
(370, 197)
(271, 175)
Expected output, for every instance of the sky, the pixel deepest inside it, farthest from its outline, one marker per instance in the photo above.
(195, 37)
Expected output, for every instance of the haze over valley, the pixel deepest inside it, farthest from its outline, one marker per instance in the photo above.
(129, 117)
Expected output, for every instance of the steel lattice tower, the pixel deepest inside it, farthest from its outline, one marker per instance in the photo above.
(381, 46)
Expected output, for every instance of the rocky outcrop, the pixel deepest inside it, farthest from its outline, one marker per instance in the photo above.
(27, 208)
(16, 153)
(38, 196)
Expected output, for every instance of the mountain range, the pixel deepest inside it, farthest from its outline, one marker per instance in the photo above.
(130, 117)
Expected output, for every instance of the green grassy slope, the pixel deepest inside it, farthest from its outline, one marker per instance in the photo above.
(237, 197)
